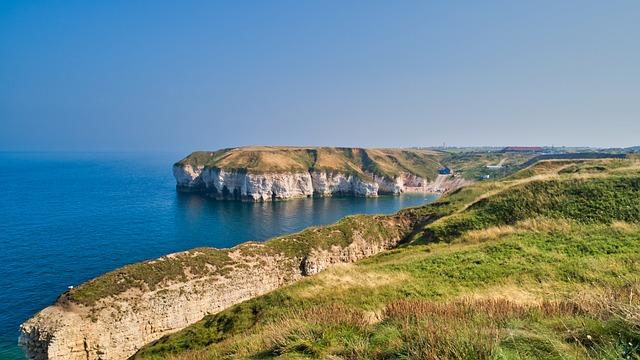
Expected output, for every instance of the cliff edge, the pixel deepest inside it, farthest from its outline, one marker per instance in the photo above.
(112, 316)
(276, 173)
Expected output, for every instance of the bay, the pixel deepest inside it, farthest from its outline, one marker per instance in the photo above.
(68, 217)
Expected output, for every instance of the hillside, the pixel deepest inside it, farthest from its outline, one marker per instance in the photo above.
(543, 264)
(278, 173)
(383, 162)
(263, 159)
(115, 314)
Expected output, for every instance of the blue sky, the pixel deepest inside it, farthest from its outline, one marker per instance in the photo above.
(186, 75)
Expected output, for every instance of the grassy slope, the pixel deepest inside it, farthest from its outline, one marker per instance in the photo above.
(208, 261)
(384, 162)
(471, 165)
(151, 274)
(542, 265)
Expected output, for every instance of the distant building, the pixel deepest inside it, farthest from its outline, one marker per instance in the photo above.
(523, 149)
(444, 171)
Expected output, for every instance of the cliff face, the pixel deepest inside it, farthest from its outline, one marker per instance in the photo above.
(240, 185)
(271, 173)
(115, 327)
(111, 317)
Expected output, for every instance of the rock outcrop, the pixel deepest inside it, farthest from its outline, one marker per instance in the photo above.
(273, 173)
(115, 327)
(112, 316)
(240, 185)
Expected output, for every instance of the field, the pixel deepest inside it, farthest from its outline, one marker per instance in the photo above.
(544, 264)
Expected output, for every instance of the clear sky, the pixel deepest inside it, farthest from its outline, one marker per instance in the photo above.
(186, 75)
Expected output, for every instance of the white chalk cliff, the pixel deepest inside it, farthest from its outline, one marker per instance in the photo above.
(119, 323)
(241, 185)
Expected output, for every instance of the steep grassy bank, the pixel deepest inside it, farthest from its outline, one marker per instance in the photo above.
(545, 264)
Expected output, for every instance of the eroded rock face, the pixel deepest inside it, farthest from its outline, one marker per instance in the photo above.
(328, 184)
(319, 260)
(116, 326)
(239, 185)
(188, 177)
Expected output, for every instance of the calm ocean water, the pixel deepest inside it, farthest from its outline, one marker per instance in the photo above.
(68, 217)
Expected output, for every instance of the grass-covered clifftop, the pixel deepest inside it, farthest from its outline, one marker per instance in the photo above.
(263, 159)
(542, 265)
(472, 165)
(292, 248)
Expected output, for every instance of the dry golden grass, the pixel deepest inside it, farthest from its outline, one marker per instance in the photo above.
(342, 277)
(624, 227)
(264, 158)
(622, 302)
(536, 225)
(280, 161)
(260, 159)
(383, 160)
(333, 314)
(476, 236)
(193, 355)
(332, 159)
(496, 309)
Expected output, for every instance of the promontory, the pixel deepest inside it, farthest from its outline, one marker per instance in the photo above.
(277, 173)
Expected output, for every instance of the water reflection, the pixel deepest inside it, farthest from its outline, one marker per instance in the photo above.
(226, 223)
(97, 212)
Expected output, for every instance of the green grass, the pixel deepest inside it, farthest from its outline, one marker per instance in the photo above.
(149, 275)
(154, 274)
(527, 268)
(433, 277)
(588, 200)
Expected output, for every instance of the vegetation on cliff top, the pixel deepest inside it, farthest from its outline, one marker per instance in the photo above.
(150, 275)
(361, 162)
(544, 264)
(292, 248)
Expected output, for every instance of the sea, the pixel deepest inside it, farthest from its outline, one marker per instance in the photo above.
(68, 217)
